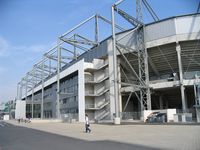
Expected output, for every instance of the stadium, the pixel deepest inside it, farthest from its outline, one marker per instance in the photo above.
(126, 76)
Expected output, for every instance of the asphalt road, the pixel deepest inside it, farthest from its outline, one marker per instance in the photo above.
(22, 138)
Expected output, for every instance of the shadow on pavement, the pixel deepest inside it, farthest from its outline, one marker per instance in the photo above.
(22, 138)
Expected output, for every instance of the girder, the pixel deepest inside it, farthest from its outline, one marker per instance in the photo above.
(128, 17)
(140, 52)
(84, 42)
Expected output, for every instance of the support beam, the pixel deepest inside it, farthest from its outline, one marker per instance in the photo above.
(18, 90)
(26, 89)
(150, 10)
(109, 22)
(75, 50)
(32, 101)
(198, 9)
(161, 101)
(55, 58)
(130, 66)
(82, 23)
(182, 88)
(127, 48)
(135, 22)
(74, 44)
(129, 97)
(197, 98)
(124, 74)
(84, 42)
(39, 68)
(96, 28)
(58, 81)
(42, 98)
(67, 50)
(116, 90)
(146, 72)
(153, 67)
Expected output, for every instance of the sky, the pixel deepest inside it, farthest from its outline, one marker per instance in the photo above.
(28, 28)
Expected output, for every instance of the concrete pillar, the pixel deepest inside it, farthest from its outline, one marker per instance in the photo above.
(182, 88)
(161, 101)
(197, 98)
(167, 104)
(146, 67)
(113, 72)
(148, 98)
(81, 90)
(186, 99)
(198, 114)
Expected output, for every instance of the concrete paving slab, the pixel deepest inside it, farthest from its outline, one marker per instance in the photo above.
(183, 137)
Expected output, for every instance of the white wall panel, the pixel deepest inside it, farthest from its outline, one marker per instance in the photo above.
(188, 24)
(160, 30)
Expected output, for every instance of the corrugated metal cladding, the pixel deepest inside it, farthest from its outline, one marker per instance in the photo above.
(128, 40)
(96, 52)
(188, 24)
(160, 30)
(164, 59)
(190, 53)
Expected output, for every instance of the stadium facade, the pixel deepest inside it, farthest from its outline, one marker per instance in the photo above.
(86, 84)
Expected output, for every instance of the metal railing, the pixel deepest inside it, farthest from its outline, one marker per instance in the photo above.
(91, 79)
(101, 115)
(188, 111)
(130, 115)
(89, 106)
(69, 117)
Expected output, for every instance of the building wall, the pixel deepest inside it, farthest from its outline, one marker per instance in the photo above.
(156, 34)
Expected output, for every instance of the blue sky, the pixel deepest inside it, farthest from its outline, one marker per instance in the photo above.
(28, 28)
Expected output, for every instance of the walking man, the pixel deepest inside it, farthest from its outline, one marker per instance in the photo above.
(87, 124)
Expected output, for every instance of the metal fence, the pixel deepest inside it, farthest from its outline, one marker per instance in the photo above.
(70, 117)
(191, 111)
(130, 115)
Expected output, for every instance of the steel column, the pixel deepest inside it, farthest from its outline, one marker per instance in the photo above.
(20, 92)
(75, 52)
(58, 80)
(42, 101)
(26, 88)
(17, 91)
(129, 97)
(146, 73)
(96, 29)
(32, 99)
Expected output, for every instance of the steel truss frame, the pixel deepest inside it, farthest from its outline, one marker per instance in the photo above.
(57, 57)
(141, 86)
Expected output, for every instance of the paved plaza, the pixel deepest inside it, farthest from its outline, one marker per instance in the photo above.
(177, 137)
